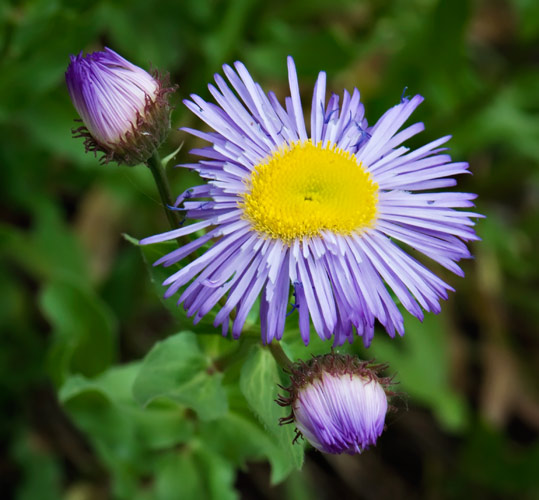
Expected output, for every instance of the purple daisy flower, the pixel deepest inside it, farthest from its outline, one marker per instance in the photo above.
(338, 403)
(124, 109)
(319, 216)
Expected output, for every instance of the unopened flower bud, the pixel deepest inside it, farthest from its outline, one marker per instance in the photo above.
(338, 402)
(124, 109)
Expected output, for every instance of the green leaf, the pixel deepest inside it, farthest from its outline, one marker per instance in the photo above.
(83, 327)
(166, 160)
(240, 437)
(259, 381)
(219, 475)
(156, 426)
(126, 437)
(114, 385)
(178, 477)
(177, 369)
(193, 473)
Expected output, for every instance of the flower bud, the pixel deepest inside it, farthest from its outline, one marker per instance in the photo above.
(338, 403)
(124, 109)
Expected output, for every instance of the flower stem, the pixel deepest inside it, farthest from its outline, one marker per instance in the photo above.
(279, 355)
(160, 178)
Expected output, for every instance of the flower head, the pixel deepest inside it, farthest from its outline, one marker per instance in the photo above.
(319, 217)
(124, 109)
(338, 403)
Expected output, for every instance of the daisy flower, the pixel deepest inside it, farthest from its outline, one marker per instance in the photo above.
(318, 219)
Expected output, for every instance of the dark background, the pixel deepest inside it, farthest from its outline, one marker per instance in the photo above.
(468, 424)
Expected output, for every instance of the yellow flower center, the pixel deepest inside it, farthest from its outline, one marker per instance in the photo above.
(303, 189)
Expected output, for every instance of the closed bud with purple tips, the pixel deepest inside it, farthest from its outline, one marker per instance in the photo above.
(124, 109)
(338, 402)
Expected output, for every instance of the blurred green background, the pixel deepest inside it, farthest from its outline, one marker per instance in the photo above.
(78, 303)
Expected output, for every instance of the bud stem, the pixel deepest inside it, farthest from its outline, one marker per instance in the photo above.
(279, 355)
(160, 178)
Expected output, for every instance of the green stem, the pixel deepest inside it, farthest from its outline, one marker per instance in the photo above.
(160, 178)
(280, 356)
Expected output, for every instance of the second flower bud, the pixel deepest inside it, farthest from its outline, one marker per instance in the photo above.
(124, 109)
(338, 402)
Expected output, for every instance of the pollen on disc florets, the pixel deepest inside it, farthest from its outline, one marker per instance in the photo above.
(304, 189)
